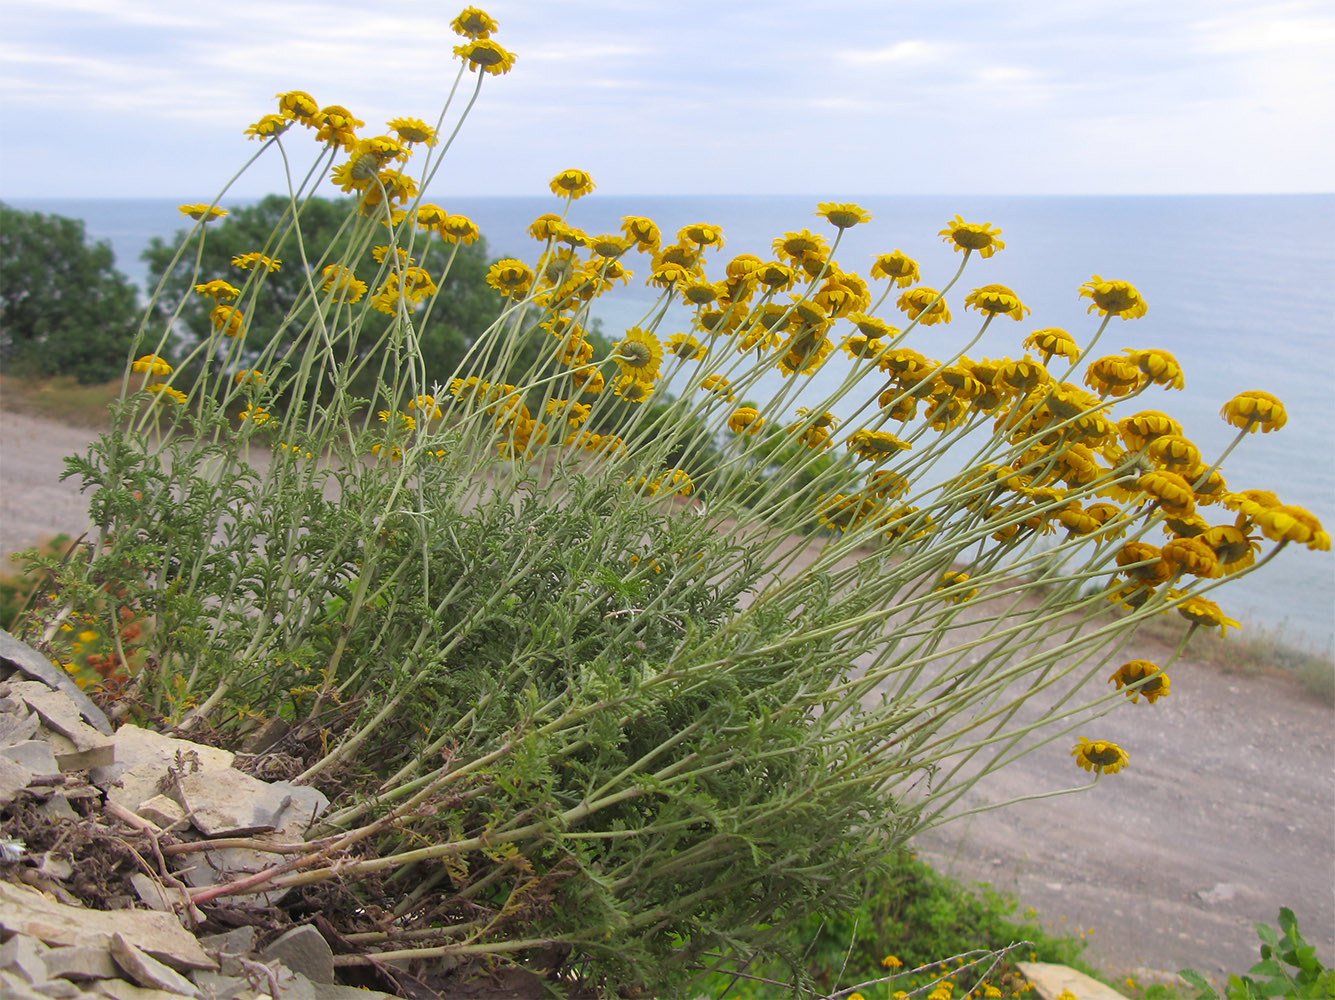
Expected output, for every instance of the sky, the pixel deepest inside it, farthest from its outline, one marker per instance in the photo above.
(124, 98)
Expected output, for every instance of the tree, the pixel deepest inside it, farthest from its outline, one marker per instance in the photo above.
(64, 308)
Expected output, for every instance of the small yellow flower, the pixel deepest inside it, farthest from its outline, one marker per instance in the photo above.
(1255, 409)
(246, 261)
(459, 229)
(702, 233)
(996, 300)
(875, 446)
(1067, 995)
(206, 212)
(1285, 523)
(891, 962)
(638, 354)
(175, 395)
(719, 386)
(572, 184)
(298, 105)
(344, 285)
(1159, 367)
(151, 364)
(686, 347)
(967, 236)
(486, 55)
(248, 376)
(643, 231)
(1140, 677)
(336, 124)
(633, 389)
(229, 320)
(427, 404)
(842, 215)
(896, 266)
(1113, 298)
(257, 415)
(1199, 611)
(510, 277)
(1099, 756)
(952, 579)
(745, 420)
(1051, 342)
(268, 127)
(412, 130)
(925, 305)
(474, 23)
(217, 289)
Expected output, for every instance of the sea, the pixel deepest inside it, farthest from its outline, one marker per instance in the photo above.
(1240, 288)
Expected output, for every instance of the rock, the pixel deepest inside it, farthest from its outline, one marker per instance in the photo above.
(119, 989)
(23, 956)
(16, 724)
(26, 911)
(303, 808)
(71, 757)
(148, 971)
(1221, 893)
(229, 803)
(27, 661)
(1050, 981)
(78, 962)
(166, 898)
(15, 987)
(35, 755)
(228, 947)
(61, 715)
(208, 868)
(13, 779)
(58, 808)
(150, 754)
(222, 986)
(57, 989)
(305, 951)
(161, 810)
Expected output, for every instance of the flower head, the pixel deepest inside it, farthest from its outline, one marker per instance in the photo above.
(638, 354)
(926, 305)
(572, 183)
(510, 277)
(205, 212)
(151, 364)
(459, 229)
(227, 319)
(1159, 367)
(1286, 523)
(745, 420)
(217, 289)
(703, 234)
(474, 23)
(297, 105)
(1255, 409)
(412, 130)
(486, 55)
(896, 266)
(632, 389)
(1140, 677)
(842, 215)
(268, 127)
(1099, 756)
(1051, 342)
(165, 391)
(1199, 611)
(246, 261)
(996, 300)
(967, 236)
(686, 347)
(719, 386)
(1113, 298)
(643, 231)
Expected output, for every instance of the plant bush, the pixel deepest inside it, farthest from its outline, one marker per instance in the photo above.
(586, 700)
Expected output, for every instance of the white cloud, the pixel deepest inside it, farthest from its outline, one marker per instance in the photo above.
(912, 51)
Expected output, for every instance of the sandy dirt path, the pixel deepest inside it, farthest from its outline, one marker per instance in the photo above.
(1225, 814)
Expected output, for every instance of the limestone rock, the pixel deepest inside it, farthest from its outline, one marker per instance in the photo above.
(13, 779)
(119, 989)
(91, 747)
(227, 864)
(17, 723)
(78, 962)
(23, 956)
(229, 803)
(35, 755)
(72, 757)
(1050, 981)
(148, 971)
(161, 810)
(30, 663)
(305, 951)
(27, 911)
(136, 747)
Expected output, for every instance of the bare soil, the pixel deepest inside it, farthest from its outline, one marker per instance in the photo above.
(1225, 813)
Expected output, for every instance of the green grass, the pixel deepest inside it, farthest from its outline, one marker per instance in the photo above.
(61, 398)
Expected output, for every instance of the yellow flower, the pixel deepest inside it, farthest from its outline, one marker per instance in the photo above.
(996, 300)
(474, 23)
(702, 233)
(674, 481)
(404, 420)
(1113, 375)
(1199, 611)
(427, 404)
(257, 415)
(459, 229)
(896, 266)
(336, 124)
(1254, 408)
(344, 285)
(686, 347)
(1113, 298)
(967, 236)
(1172, 451)
(206, 212)
(249, 377)
(875, 446)
(1292, 524)
(1140, 677)
(950, 580)
(638, 354)
(842, 215)
(1233, 547)
(719, 386)
(175, 395)
(925, 305)
(1052, 342)
(632, 389)
(643, 231)
(1099, 755)
(591, 382)
(246, 261)
(484, 54)
(151, 364)
(745, 419)
(297, 105)
(510, 277)
(228, 319)
(1159, 366)
(412, 129)
(891, 962)
(1170, 489)
(1067, 995)
(268, 127)
(1141, 428)
(217, 289)
(572, 184)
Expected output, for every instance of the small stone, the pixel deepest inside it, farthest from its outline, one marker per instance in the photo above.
(119, 989)
(23, 955)
(161, 810)
(165, 898)
(229, 803)
(1221, 893)
(15, 987)
(57, 989)
(148, 971)
(79, 963)
(229, 946)
(60, 714)
(303, 808)
(35, 755)
(209, 868)
(304, 950)
(135, 747)
(58, 809)
(16, 725)
(222, 986)
(13, 779)
(70, 757)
